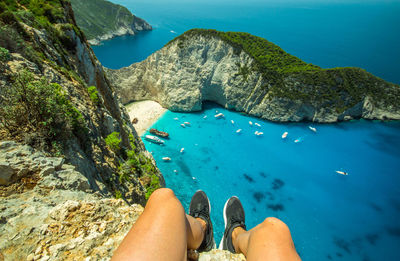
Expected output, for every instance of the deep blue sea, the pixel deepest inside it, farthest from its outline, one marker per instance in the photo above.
(331, 216)
(362, 33)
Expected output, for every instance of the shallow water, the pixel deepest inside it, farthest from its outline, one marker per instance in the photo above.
(331, 216)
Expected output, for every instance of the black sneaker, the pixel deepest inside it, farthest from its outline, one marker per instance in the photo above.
(233, 217)
(200, 208)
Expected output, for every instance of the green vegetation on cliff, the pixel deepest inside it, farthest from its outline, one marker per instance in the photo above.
(343, 87)
(99, 17)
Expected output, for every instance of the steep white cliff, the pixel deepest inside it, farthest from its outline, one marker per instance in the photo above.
(200, 68)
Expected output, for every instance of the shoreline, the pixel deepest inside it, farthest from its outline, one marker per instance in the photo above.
(147, 112)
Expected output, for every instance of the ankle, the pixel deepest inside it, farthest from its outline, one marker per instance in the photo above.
(235, 238)
(203, 224)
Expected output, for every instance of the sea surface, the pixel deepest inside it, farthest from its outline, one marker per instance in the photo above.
(361, 33)
(331, 216)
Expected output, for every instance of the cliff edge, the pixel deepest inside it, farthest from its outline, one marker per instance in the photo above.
(250, 74)
(101, 20)
(72, 167)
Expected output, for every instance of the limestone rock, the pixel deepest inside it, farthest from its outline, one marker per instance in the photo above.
(201, 67)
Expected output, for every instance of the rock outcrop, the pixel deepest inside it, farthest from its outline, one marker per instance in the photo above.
(102, 20)
(52, 213)
(60, 54)
(206, 65)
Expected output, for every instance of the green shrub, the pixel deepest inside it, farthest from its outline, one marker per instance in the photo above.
(32, 105)
(94, 95)
(113, 142)
(154, 185)
(4, 55)
(118, 194)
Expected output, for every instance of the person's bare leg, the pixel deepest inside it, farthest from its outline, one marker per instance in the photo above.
(162, 232)
(270, 240)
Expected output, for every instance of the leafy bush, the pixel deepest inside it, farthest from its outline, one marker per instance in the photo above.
(113, 142)
(4, 55)
(118, 194)
(32, 105)
(154, 185)
(94, 95)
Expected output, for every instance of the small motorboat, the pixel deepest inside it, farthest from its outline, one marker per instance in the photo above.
(342, 172)
(284, 135)
(166, 159)
(239, 130)
(251, 123)
(183, 125)
(205, 117)
(159, 133)
(257, 124)
(297, 140)
(232, 122)
(312, 128)
(176, 119)
(219, 115)
(154, 139)
(259, 133)
(187, 123)
(182, 150)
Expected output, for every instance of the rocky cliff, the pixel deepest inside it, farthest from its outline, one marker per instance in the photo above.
(67, 146)
(249, 74)
(102, 20)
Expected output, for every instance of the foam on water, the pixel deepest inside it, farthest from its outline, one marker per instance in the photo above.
(354, 217)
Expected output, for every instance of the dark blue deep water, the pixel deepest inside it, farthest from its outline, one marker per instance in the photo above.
(362, 33)
(331, 217)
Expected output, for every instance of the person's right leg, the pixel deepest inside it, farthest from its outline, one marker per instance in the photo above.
(270, 240)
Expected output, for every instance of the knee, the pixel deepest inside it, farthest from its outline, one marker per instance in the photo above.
(274, 223)
(162, 195)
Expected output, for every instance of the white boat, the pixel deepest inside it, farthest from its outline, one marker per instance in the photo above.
(260, 133)
(297, 140)
(219, 115)
(342, 172)
(239, 130)
(257, 124)
(232, 122)
(187, 123)
(183, 125)
(251, 123)
(176, 119)
(154, 139)
(182, 150)
(312, 128)
(175, 171)
(256, 132)
(205, 117)
(284, 135)
(166, 159)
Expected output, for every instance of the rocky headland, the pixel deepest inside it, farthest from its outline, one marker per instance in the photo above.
(246, 73)
(101, 20)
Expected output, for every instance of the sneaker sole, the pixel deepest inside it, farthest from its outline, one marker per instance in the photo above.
(221, 246)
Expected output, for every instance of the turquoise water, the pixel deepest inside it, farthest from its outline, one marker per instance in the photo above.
(358, 33)
(332, 217)
(354, 217)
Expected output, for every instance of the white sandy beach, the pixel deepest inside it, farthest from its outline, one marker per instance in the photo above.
(147, 113)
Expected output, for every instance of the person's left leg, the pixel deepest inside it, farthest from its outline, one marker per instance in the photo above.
(162, 232)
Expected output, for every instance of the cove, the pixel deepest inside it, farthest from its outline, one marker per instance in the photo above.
(331, 216)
